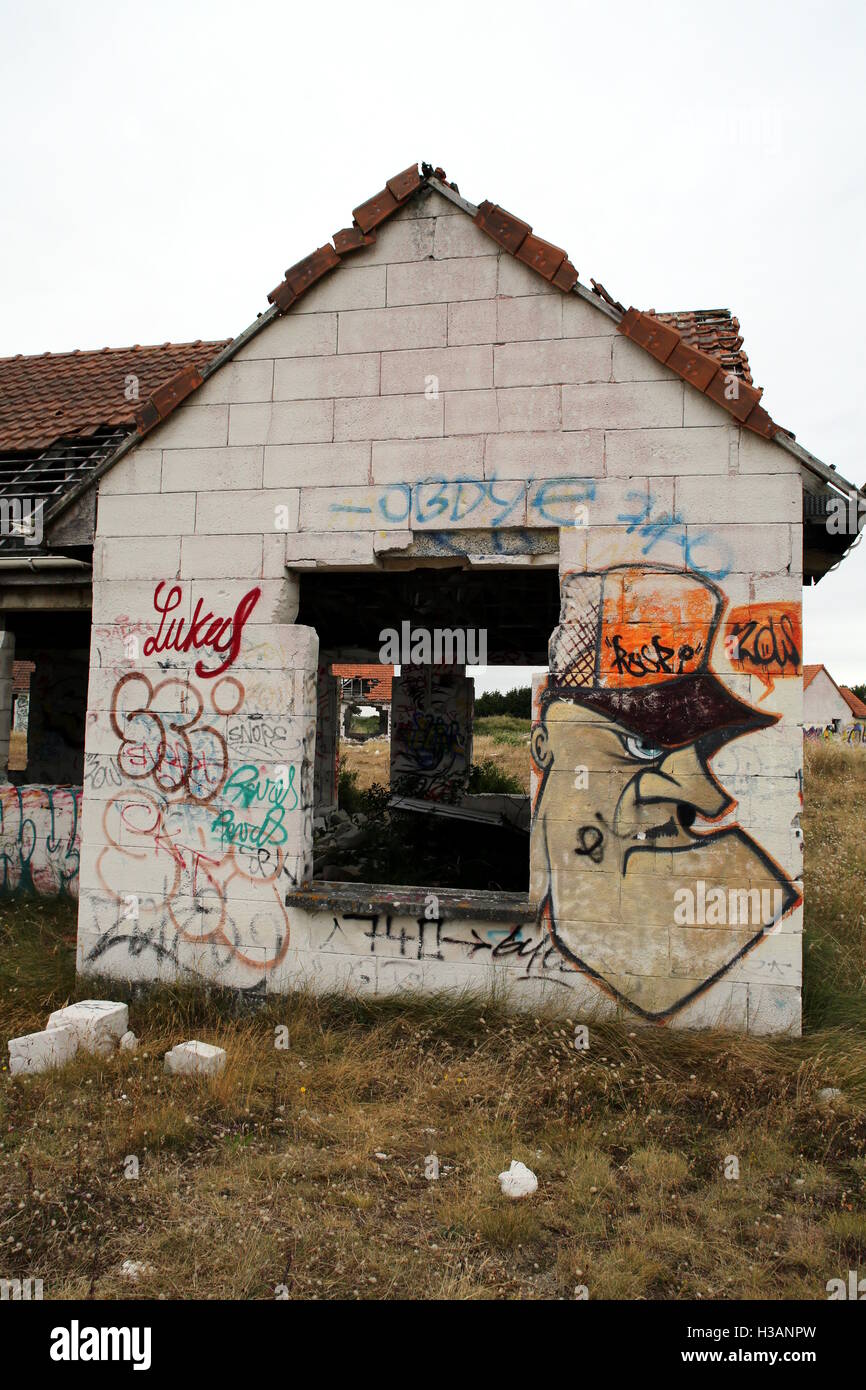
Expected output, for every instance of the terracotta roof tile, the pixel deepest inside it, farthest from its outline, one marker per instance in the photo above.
(715, 331)
(660, 335)
(73, 394)
(809, 674)
(21, 673)
(854, 703)
(382, 677)
(70, 395)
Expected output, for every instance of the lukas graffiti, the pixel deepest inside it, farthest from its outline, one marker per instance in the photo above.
(199, 797)
(222, 635)
(628, 809)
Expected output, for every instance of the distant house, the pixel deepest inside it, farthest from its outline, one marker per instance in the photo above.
(855, 704)
(364, 684)
(825, 703)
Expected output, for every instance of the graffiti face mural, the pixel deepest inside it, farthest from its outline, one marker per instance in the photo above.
(629, 820)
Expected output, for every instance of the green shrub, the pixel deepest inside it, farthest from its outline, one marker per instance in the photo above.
(488, 776)
(517, 702)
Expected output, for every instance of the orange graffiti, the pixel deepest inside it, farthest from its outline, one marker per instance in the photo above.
(765, 640)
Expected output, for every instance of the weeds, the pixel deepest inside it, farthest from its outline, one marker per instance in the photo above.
(306, 1167)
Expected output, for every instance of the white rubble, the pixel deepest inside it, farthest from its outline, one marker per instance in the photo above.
(35, 1052)
(518, 1180)
(129, 1042)
(193, 1057)
(828, 1094)
(99, 1024)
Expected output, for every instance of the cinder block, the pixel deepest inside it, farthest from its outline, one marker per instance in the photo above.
(458, 236)
(427, 203)
(136, 557)
(98, 1024)
(641, 453)
(374, 330)
(224, 595)
(552, 454)
(138, 471)
(410, 460)
(774, 1009)
(698, 409)
(293, 335)
(454, 368)
(633, 363)
(134, 599)
(517, 279)
(238, 381)
(471, 412)
(288, 422)
(193, 427)
(319, 378)
(529, 317)
(188, 470)
(330, 549)
(35, 1052)
(163, 515)
(311, 465)
(227, 513)
(399, 241)
(442, 282)
(757, 455)
(397, 417)
(775, 498)
(195, 1059)
(580, 319)
(623, 405)
(230, 557)
(354, 508)
(552, 361)
(347, 287)
(529, 408)
(473, 321)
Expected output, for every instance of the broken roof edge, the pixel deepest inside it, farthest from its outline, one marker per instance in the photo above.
(698, 369)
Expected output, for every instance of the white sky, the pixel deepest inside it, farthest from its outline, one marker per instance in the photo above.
(162, 164)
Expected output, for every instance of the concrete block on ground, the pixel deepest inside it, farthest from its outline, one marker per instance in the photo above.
(98, 1024)
(195, 1059)
(37, 1052)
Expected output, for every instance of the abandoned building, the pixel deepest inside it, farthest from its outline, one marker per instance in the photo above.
(830, 708)
(367, 685)
(436, 423)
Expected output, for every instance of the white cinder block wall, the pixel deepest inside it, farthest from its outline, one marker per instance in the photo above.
(432, 382)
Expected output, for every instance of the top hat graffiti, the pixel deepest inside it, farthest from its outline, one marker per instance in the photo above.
(636, 643)
(631, 716)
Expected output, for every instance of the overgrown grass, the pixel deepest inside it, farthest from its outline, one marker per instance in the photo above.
(305, 1166)
(834, 824)
(505, 728)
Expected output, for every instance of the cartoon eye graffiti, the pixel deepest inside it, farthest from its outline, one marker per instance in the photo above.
(640, 748)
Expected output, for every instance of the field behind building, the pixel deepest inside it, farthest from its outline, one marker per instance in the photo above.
(498, 739)
(305, 1167)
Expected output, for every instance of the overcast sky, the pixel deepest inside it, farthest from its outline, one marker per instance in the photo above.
(162, 164)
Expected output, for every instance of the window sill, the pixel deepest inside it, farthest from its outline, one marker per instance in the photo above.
(454, 904)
